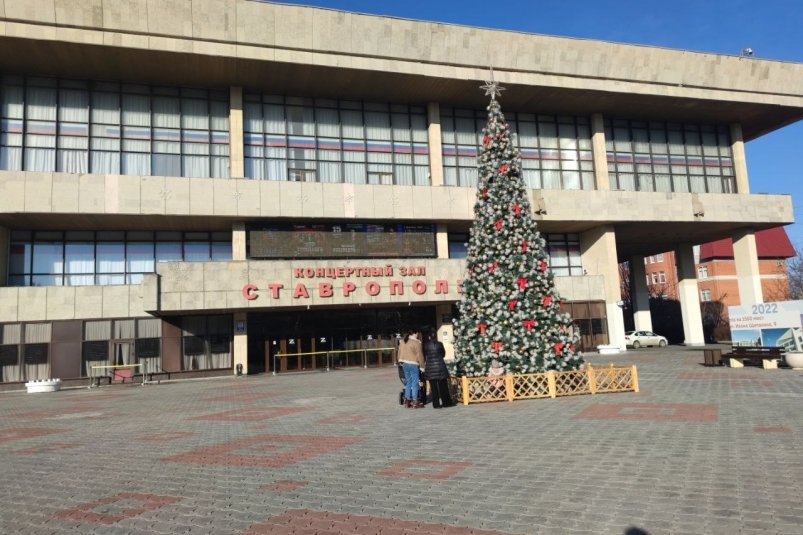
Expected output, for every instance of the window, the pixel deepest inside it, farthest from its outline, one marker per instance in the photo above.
(659, 258)
(335, 141)
(555, 150)
(654, 277)
(705, 295)
(76, 126)
(702, 272)
(85, 258)
(206, 342)
(667, 156)
(661, 276)
(564, 254)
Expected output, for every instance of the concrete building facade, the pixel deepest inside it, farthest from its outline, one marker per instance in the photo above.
(207, 185)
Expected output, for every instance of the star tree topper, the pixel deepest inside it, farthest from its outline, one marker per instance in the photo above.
(492, 87)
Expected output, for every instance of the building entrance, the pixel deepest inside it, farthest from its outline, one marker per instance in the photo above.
(336, 338)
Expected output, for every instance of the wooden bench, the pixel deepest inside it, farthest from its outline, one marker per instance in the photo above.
(767, 357)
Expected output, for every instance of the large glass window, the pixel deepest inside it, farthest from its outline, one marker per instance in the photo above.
(666, 156)
(82, 258)
(73, 126)
(121, 342)
(333, 141)
(563, 251)
(555, 150)
(206, 342)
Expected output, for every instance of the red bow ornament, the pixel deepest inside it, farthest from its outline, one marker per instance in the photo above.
(486, 140)
(511, 304)
(484, 192)
(516, 209)
(493, 266)
(496, 346)
(529, 324)
(503, 168)
(522, 283)
(542, 265)
(498, 224)
(481, 327)
(558, 348)
(524, 246)
(547, 300)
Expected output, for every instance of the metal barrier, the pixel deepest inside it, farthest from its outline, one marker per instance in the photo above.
(329, 354)
(127, 366)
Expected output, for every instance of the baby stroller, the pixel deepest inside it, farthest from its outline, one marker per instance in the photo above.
(422, 386)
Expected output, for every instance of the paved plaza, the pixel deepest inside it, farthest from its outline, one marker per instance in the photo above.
(698, 450)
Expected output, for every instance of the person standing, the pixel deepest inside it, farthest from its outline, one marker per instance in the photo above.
(435, 371)
(411, 359)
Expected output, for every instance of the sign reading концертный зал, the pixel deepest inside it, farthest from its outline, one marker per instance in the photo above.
(768, 324)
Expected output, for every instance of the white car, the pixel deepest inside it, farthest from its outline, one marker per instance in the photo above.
(644, 338)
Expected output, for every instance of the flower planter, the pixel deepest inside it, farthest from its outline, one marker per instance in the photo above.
(794, 359)
(608, 349)
(45, 385)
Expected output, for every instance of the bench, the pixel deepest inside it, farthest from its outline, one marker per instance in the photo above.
(767, 357)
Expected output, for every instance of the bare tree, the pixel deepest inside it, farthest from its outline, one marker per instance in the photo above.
(794, 273)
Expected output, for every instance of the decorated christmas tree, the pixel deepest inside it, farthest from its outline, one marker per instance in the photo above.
(509, 309)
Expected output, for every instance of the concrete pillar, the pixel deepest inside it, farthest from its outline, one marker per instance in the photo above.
(442, 241)
(599, 151)
(599, 258)
(236, 140)
(445, 329)
(5, 238)
(689, 296)
(238, 252)
(639, 294)
(745, 256)
(240, 345)
(739, 160)
(434, 142)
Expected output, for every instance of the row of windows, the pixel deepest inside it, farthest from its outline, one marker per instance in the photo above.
(70, 126)
(335, 141)
(555, 150)
(73, 126)
(83, 258)
(656, 277)
(563, 250)
(666, 156)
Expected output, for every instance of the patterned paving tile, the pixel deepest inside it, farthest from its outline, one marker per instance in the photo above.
(284, 485)
(282, 450)
(656, 412)
(21, 433)
(250, 414)
(425, 469)
(164, 437)
(116, 508)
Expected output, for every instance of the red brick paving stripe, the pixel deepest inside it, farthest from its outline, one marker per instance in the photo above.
(250, 415)
(344, 419)
(21, 433)
(47, 448)
(304, 447)
(83, 513)
(656, 412)
(38, 415)
(304, 521)
(284, 485)
(161, 437)
(410, 469)
(770, 429)
(243, 397)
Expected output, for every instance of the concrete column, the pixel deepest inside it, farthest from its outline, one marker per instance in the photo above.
(238, 252)
(445, 329)
(745, 256)
(689, 296)
(639, 294)
(236, 140)
(434, 142)
(599, 258)
(5, 238)
(600, 154)
(240, 341)
(739, 160)
(442, 241)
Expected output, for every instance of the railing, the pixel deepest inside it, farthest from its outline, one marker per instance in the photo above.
(589, 380)
(329, 354)
(94, 380)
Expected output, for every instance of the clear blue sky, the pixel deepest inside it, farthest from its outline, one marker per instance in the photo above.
(772, 28)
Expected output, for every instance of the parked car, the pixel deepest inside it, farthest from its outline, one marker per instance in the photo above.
(638, 339)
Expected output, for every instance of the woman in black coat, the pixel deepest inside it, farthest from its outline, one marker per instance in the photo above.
(435, 370)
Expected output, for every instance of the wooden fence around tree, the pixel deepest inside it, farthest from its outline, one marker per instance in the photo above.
(589, 380)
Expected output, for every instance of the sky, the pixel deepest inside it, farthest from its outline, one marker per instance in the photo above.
(772, 28)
